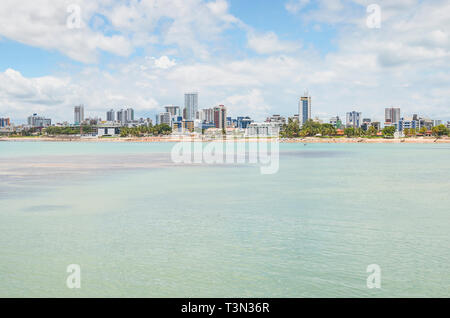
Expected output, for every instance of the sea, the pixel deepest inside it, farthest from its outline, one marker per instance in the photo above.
(334, 220)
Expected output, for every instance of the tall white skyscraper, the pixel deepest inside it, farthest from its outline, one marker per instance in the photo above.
(78, 114)
(304, 109)
(191, 105)
(129, 115)
(207, 115)
(110, 115)
(121, 116)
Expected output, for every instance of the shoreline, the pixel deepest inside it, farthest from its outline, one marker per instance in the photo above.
(305, 140)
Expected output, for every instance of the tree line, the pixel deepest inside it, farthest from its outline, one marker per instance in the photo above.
(440, 130)
(312, 128)
(156, 130)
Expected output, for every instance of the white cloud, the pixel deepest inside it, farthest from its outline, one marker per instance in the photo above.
(164, 62)
(250, 103)
(42, 23)
(294, 6)
(186, 24)
(269, 43)
(405, 63)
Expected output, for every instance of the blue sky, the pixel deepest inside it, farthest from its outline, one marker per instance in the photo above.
(254, 56)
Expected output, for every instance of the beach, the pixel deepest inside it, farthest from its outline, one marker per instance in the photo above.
(306, 140)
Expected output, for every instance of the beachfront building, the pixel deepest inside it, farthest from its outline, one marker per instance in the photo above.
(108, 131)
(188, 125)
(190, 105)
(276, 119)
(304, 109)
(407, 123)
(426, 122)
(353, 119)
(243, 122)
(317, 120)
(206, 126)
(38, 121)
(336, 122)
(262, 130)
(295, 118)
(376, 125)
(78, 114)
(437, 122)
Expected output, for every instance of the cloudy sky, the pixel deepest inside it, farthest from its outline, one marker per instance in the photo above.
(254, 56)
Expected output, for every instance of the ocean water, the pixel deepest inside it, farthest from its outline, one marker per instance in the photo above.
(140, 226)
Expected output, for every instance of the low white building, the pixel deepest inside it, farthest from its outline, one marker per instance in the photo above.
(263, 130)
(108, 131)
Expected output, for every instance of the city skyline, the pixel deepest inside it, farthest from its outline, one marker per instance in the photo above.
(392, 115)
(260, 69)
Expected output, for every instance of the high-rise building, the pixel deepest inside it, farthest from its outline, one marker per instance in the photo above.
(207, 115)
(121, 116)
(164, 118)
(38, 121)
(4, 122)
(220, 117)
(304, 108)
(173, 110)
(391, 115)
(191, 105)
(129, 115)
(78, 114)
(125, 116)
(110, 115)
(353, 119)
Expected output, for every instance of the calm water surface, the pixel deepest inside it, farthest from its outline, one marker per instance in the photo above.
(140, 226)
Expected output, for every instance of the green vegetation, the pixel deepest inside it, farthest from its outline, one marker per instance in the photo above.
(162, 129)
(440, 130)
(291, 129)
(312, 128)
(124, 131)
(54, 131)
(437, 131)
(388, 131)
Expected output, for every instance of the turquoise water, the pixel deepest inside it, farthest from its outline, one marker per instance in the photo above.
(140, 226)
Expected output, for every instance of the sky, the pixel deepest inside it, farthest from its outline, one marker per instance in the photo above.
(256, 57)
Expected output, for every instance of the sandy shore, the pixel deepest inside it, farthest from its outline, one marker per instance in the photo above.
(417, 140)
